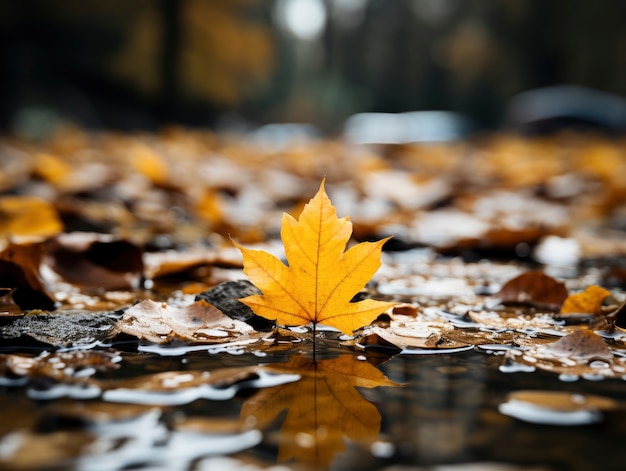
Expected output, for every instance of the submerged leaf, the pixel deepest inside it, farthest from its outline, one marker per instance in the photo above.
(321, 278)
(556, 407)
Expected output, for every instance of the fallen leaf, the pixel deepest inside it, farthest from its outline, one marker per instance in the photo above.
(199, 322)
(513, 321)
(63, 328)
(173, 262)
(556, 407)
(407, 333)
(28, 216)
(96, 260)
(581, 345)
(19, 271)
(225, 297)
(321, 278)
(581, 353)
(48, 370)
(534, 288)
(183, 387)
(587, 302)
(619, 317)
(323, 407)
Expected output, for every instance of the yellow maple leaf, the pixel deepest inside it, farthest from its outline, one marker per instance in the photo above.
(322, 277)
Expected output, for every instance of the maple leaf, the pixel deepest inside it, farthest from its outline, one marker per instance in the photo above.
(321, 277)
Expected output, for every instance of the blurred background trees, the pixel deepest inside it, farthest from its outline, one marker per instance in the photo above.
(148, 63)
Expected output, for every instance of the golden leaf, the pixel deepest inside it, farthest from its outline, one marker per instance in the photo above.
(321, 278)
(323, 407)
(587, 302)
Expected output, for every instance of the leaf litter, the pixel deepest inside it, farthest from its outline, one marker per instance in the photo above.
(162, 277)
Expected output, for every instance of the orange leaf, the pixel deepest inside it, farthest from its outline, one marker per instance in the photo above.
(321, 278)
(587, 302)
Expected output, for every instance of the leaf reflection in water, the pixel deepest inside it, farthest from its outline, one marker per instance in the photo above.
(323, 408)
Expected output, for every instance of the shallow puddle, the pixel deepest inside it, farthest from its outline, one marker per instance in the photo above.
(291, 409)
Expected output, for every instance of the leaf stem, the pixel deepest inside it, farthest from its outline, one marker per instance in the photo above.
(314, 339)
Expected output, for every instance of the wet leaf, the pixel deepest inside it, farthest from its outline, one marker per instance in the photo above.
(405, 333)
(199, 322)
(19, 272)
(556, 407)
(582, 346)
(58, 370)
(513, 321)
(321, 278)
(173, 262)
(323, 408)
(581, 353)
(534, 288)
(95, 260)
(62, 328)
(587, 302)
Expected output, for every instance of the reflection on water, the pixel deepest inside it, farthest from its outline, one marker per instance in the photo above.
(323, 408)
(340, 412)
(440, 404)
